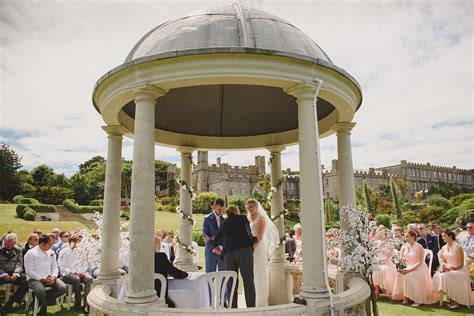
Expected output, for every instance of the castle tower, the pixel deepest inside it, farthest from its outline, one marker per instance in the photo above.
(260, 165)
(201, 172)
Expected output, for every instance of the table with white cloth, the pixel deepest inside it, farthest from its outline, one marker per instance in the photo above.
(181, 292)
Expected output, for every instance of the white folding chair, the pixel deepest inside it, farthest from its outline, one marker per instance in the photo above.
(7, 287)
(69, 297)
(430, 253)
(163, 284)
(30, 297)
(124, 287)
(217, 284)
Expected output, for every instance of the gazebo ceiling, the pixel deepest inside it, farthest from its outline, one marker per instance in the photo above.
(225, 71)
(227, 110)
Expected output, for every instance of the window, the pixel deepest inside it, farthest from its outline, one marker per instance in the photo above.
(327, 181)
(231, 191)
(414, 185)
(243, 191)
(449, 176)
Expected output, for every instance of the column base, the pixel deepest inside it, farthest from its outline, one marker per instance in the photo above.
(139, 298)
(125, 309)
(314, 293)
(279, 284)
(105, 277)
(110, 279)
(187, 265)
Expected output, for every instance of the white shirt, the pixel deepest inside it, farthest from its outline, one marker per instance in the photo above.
(69, 261)
(40, 264)
(165, 248)
(218, 219)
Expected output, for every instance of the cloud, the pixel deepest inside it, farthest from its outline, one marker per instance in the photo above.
(412, 59)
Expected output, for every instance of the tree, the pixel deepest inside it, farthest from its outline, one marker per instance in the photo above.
(367, 198)
(126, 186)
(396, 202)
(403, 185)
(43, 175)
(10, 162)
(91, 164)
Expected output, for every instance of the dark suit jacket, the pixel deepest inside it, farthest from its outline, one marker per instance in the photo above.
(11, 260)
(234, 234)
(164, 267)
(422, 242)
(433, 246)
(209, 228)
(290, 247)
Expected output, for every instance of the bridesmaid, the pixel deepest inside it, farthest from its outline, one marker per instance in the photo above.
(385, 276)
(413, 282)
(453, 278)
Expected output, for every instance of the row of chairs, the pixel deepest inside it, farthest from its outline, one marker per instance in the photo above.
(30, 297)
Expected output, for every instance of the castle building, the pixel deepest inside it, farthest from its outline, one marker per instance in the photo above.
(424, 176)
(224, 179)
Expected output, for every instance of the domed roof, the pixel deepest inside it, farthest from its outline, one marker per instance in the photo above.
(229, 28)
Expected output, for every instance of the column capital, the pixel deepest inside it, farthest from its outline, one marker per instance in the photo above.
(147, 91)
(342, 128)
(186, 150)
(305, 90)
(276, 149)
(115, 130)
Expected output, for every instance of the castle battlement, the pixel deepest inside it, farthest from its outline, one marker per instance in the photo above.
(437, 168)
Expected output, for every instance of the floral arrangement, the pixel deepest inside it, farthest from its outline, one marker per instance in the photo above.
(188, 217)
(275, 189)
(400, 263)
(282, 214)
(185, 187)
(188, 248)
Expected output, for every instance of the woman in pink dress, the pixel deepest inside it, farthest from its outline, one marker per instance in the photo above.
(453, 278)
(385, 276)
(413, 282)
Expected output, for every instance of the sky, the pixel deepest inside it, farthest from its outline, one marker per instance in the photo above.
(413, 59)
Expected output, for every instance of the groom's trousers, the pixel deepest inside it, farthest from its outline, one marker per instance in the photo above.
(241, 259)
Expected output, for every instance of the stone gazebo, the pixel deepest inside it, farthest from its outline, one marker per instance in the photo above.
(229, 78)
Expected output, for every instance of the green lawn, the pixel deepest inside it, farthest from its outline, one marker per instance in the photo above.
(395, 308)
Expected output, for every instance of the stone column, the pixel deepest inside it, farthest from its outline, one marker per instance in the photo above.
(311, 205)
(345, 169)
(142, 216)
(185, 258)
(110, 238)
(278, 279)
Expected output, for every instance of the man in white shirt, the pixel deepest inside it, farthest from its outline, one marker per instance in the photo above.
(467, 244)
(42, 271)
(73, 272)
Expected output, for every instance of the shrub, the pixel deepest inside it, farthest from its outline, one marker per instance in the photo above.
(238, 201)
(450, 216)
(465, 217)
(333, 225)
(98, 202)
(204, 202)
(383, 219)
(126, 214)
(431, 213)
(160, 208)
(20, 210)
(20, 199)
(75, 208)
(197, 237)
(169, 201)
(438, 200)
(467, 205)
(170, 208)
(29, 215)
(458, 199)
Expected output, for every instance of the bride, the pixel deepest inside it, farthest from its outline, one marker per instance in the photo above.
(267, 240)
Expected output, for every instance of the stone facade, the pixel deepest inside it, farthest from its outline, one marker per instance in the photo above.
(234, 180)
(425, 176)
(224, 179)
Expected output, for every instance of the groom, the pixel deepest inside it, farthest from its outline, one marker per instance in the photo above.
(211, 224)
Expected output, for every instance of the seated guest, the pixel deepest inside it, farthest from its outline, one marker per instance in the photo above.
(435, 243)
(73, 272)
(422, 238)
(384, 277)
(11, 271)
(453, 277)
(169, 240)
(413, 282)
(297, 236)
(400, 240)
(164, 267)
(165, 248)
(63, 242)
(30, 243)
(467, 243)
(42, 271)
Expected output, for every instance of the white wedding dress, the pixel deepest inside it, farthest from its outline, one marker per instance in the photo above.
(261, 255)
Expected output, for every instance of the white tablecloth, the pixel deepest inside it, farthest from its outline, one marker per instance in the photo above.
(181, 292)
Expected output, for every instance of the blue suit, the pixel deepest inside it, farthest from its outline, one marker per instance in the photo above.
(209, 228)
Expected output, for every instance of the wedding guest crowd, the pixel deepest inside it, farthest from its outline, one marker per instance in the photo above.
(413, 280)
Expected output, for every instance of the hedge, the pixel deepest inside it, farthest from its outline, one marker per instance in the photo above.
(20, 199)
(75, 208)
(29, 214)
(38, 208)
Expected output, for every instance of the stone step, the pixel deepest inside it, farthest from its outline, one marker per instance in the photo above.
(67, 215)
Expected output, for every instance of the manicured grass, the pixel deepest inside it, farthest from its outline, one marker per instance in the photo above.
(9, 221)
(395, 308)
